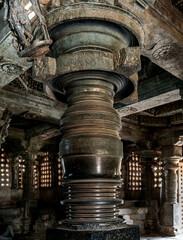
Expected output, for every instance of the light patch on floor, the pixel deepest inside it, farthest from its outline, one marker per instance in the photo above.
(162, 238)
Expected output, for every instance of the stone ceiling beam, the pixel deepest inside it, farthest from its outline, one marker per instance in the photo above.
(165, 98)
(42, 132)
(32, 107)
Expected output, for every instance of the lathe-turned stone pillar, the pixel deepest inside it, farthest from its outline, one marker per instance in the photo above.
(171, 187)
(170, 212)
(28, 187)
(96, 56)
(149, 160)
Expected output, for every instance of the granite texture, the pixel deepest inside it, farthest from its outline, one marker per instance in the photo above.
(123, 233)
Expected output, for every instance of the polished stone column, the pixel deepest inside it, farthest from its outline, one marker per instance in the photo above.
(148, 161)
(171, 186)
(90, 149)
(28, 194)
(95, 58)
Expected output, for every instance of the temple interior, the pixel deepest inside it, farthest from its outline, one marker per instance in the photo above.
(91, 119)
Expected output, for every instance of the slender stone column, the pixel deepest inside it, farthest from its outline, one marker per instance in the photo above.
(28, 194)
(170, 212)
(171, 179)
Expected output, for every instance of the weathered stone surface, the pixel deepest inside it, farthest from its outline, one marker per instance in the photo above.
(95, 11)
(85, 60)
(170, 219)
(11, 65)
(162, 24)
(159, 100)
(132, 211)
(127, 61)
(178, 147)
(44, 69)
(34, 107)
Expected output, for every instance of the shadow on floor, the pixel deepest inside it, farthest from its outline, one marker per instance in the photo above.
(32, 236)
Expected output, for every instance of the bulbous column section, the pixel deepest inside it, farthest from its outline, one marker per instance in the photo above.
(91, 149)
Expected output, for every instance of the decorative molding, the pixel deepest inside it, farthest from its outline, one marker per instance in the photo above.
(10, 68)
(166, 52)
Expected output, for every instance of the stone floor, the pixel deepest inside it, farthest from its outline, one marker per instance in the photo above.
(161, 238)
(32, 236)
(41, 236)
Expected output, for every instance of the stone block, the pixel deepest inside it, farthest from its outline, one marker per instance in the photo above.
(138, 216)
(126, 217)
(178, 147)
(129, 221)
(127, 211)
(127, 61)
(132, 211)
(125, 233)
(170, 219)
(44, 69)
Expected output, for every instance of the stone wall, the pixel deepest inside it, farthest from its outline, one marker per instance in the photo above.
(138, 213)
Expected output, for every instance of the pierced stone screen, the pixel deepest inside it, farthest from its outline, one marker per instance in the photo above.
(60, 172)
(4, 169)
(21, 170)
(46, 171)
(134, 173)
(157, 171)
(36, 176)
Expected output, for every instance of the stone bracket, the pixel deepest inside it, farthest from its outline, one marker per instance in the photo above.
(44, 69)
(127, 61)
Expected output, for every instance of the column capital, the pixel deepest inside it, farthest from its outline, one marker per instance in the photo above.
(171, 163)
(178, 147)
(171, 167)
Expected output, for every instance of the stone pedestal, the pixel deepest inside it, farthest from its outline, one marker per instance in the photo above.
(170, 213)
(170, 219)
(117, 233)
